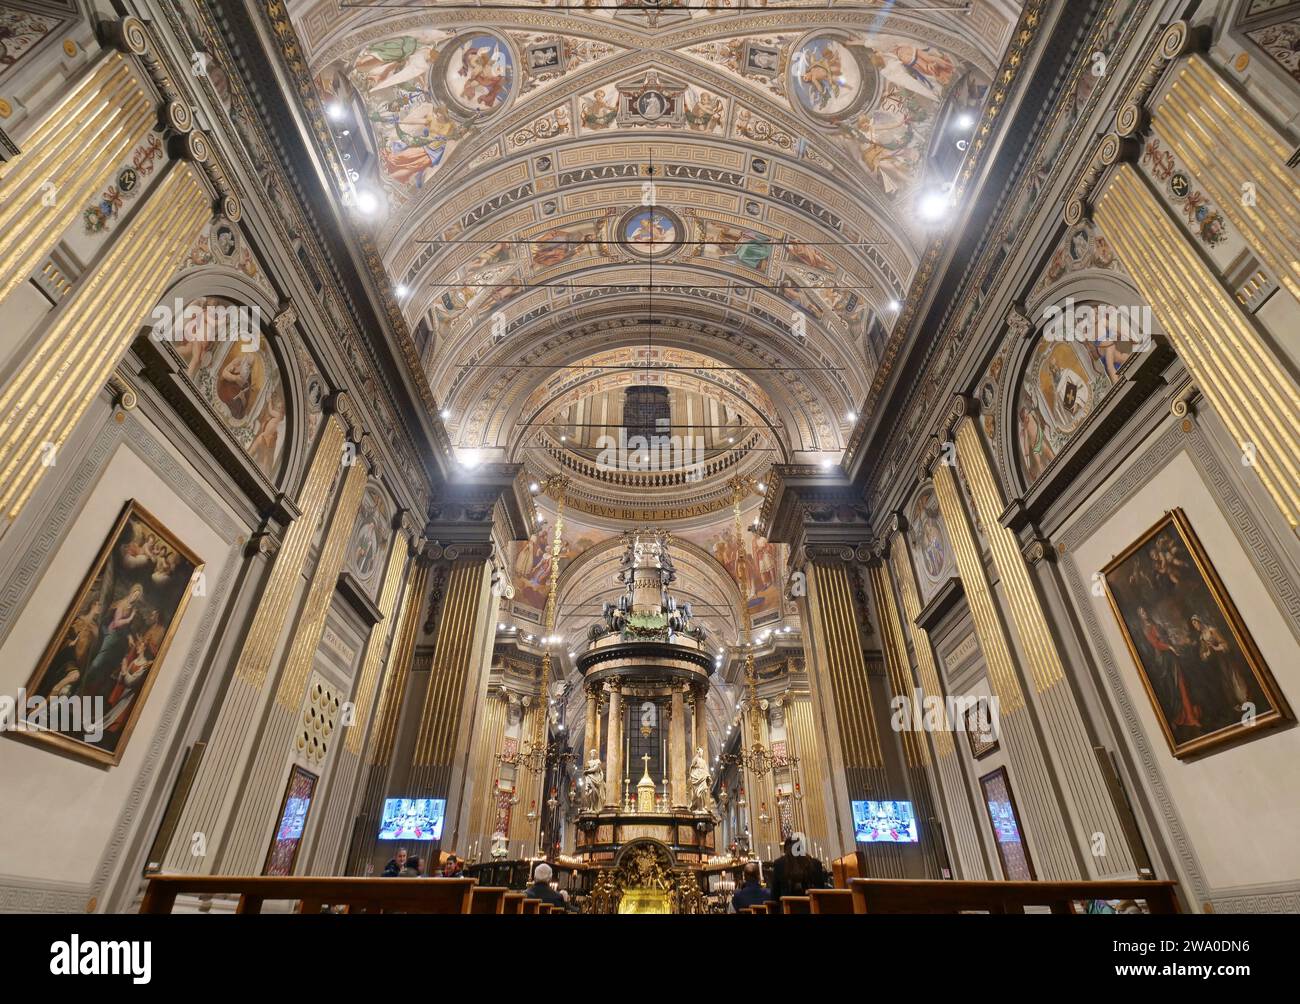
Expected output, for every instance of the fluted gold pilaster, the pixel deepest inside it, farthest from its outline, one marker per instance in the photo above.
(897, 663)
(488, 740)
(92, 328)
(1233, 365)
(311, 620)
(454, 652)
(1225, 144)
(1044, 823)
(960, 823)
(282, 586)
(847, 667)
(65, 162)
(382, 634)
(800, 724)
(384, 732)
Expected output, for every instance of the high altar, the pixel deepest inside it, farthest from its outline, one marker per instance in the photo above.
(646, 663)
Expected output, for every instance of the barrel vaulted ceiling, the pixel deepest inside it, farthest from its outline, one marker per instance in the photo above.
(722, 199)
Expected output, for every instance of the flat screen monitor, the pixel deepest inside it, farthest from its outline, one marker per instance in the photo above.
(412, 819)
(884, 822)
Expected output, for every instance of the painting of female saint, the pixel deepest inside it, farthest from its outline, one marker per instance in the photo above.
(932, 554)
(240, 379)
(825, 77)
(1206, 679)
(370, 537)
(394, 61)
(480, 73)
(111, 642)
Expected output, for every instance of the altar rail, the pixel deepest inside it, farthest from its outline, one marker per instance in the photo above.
(358, 895)
(940, 896)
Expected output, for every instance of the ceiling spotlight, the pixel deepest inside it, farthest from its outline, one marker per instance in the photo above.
(470, 460)
(402, 290)
(895, 305)
(534, 487)
(934, 206)
(851, 416)
(965, 120)
(367, 201)
(445, 414)
(501, 627)
(564, 439)
(762, 486)
(828, 465)
(572, 654)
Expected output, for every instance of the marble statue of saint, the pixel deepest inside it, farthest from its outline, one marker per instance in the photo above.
(593, 784)
(700, 783)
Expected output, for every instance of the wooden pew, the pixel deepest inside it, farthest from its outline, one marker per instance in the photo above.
(830, 901)
(514, 903)
(938, 896)
(796, 904)
(545, 907)
(357, 895)
(772, 906)
(488, 899)
(532, 906)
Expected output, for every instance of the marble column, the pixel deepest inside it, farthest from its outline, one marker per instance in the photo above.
(700, 734)
(677, 747)
(614, 748)
(591, 736)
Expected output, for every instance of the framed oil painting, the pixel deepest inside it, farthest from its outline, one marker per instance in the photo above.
(1012, 849)
(980, 731)
(97, 671)
(292, 823)
(1202, 671)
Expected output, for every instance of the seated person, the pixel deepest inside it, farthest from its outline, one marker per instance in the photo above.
(395, 866)
(751, 893)
(541, 887)
(412, 869)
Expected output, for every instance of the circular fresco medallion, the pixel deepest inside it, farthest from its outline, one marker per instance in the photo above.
(831, 79)
(650, 231)
(477, 73)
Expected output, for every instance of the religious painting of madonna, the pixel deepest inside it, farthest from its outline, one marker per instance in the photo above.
(110, 645)
(1202, 671)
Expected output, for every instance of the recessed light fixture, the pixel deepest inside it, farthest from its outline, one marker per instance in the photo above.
(402, 290)
(851, 416)
(895, 305)
(367, 201)
(336, 111)
(445, 414)
(934, 206)
(965, 121)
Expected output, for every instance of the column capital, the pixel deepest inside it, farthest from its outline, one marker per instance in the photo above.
(1179, 39)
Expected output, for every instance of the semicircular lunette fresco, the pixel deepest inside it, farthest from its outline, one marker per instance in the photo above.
(1073, 365)
(239, 378)
(369, 538)
(932, 553)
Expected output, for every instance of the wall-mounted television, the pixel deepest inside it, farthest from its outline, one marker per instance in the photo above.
(412, 819)
(884, 823)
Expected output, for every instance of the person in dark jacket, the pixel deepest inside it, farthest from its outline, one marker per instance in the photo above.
(395, 866)
(751, 893)
(541, 887)
(794, 874)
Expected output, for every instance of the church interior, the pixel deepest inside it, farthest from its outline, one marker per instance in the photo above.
(588, 457)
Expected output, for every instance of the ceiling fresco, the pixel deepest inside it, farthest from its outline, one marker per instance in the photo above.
(727, 201)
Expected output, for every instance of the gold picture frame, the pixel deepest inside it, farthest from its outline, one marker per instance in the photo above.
(1203, 673)
(114, 636)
